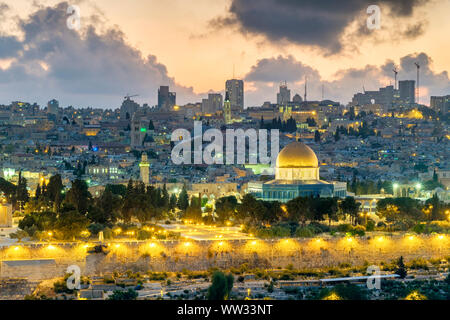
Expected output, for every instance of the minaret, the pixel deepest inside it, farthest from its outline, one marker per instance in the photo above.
(227, 109)
(144, 167)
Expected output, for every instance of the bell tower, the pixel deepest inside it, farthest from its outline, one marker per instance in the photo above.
(144, 167)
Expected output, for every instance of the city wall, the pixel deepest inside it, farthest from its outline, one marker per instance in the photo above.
(44, 261)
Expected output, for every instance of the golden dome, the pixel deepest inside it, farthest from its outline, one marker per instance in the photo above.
(297, 155)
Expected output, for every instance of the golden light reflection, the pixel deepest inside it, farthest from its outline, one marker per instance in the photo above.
(152, 249)
(17, 252)
(332, 296)
(119, 249)
(287, 246)
(256, 246)
(221, 246)
(187, 247)
(51, 251)
(317, 244)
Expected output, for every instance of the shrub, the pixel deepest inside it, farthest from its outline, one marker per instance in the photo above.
(319, 227)
(95, 228)
(273, 232)
(370, 225)
(358, 231)
(344, 228)
(305, 232)
(144, 235)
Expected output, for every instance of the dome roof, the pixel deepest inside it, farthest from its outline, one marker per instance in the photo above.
(297, 155)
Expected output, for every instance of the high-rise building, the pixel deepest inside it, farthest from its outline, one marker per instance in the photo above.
(235, 89)
(52, 107)
(384, 97)
(166, 99)
(213, 103)
(128, 108)
(227, 109)
(407, 89)
(144, 167)
(284, 96)
(440, 104)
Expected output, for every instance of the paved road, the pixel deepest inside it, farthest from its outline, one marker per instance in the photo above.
(199, 232)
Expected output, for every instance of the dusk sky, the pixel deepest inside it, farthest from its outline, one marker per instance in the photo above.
(135, 46)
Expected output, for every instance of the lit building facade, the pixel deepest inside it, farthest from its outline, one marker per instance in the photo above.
(296, 175)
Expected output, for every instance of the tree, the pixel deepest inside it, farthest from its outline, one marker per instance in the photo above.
(194, 211)
(437, 208)
(54, 187)
(79, 196)
(350, 207)
(117, 189)
(21, 190)
(71, 223)
(173, 202)
(226, 208)
(272, 212)
(37, 194)
(124, 295)
(127, 207)
(337, 136)
(165, 198)
(105, 209)
(249, 209)
(317, 136)
(401, 269)
(8, 189)
(221, 286)
(326, 208)
(300, 209)
(405, 210)
(183, 199)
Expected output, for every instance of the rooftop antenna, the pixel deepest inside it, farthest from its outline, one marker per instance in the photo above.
(322, 91)
(418, 69)
(233, 70)
(395, 77)
(364, 90)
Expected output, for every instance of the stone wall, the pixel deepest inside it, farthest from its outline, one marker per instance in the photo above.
(201, 255)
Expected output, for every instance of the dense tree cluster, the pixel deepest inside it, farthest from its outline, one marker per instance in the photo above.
(289, 125)
(359, 187)
(362, 131)
(67, 214)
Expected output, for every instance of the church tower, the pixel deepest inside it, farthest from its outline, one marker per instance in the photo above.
(144, 167)
(227, 109)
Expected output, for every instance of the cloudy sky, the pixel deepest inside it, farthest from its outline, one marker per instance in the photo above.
(134, 46)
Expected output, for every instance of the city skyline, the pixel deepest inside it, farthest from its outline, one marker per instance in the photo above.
(224, 44)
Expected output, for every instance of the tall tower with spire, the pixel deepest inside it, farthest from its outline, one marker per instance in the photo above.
(227, 108)
(144, 167)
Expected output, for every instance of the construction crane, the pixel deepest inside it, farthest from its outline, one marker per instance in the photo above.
(306, 89)
(395, 77)
(418, 69)
(127, 97)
